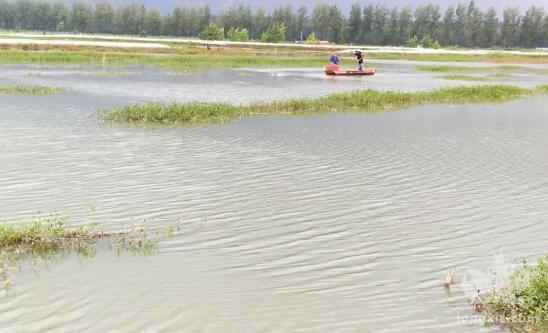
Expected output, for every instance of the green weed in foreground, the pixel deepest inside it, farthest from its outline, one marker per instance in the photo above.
(360, 101)
(48, 238)
(523, 305)
(30, 90)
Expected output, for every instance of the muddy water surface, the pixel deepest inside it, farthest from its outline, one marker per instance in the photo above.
(332, 223)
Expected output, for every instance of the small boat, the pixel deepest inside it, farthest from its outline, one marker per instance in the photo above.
(336, 70)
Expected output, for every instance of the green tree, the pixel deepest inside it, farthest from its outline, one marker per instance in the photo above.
(153, 23)
(532, 27)
(355, 24)
(491, 28)
(261, 22)
(336, 25)
(301, 22)
(320, 21)
(511, 27)
(61, 16)
(447, 36)
(393, 37)
(379, 25)
(81, 17)
(473, 26)
(406, 25)
(104, 18)
(367, 24)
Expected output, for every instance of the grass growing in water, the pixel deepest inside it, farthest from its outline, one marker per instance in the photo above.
(30, 90)
(471, 78)
(449, 69)
(180, 59)
(363, 101)
(523, 305)
(499, 58)
(48, 238)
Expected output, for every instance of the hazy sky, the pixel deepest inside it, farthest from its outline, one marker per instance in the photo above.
(345, 4)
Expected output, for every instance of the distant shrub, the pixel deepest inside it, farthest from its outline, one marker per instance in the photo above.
(275, 34)
(238, 35)
(427, 42)
(412, 42)
(213, 32)
(312, 39)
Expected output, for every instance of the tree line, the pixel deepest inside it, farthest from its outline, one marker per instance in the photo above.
(465, 25)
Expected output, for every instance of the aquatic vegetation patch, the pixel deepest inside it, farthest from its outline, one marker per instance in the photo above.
(359, 101)
(469, 78)
(30, 90)
(498, 58)
(174, 113)
(48, 238)
(542, 89)
(523, 304)
(449, 69)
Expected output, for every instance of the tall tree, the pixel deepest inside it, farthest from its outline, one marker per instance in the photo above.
(491, 28)
(448, 33)
(81, 17)
(406, 25)
(460, 24)
(511, 27)
(153, 23)
(393, 37)
(532, 27)
(104, 18)
(301, 20)
(355, 24)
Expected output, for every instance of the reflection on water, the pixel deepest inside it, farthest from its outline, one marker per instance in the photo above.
(332, 223)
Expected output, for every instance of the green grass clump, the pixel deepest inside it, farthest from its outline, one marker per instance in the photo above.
(48, 238)
(523, 305)
(155, 113)
(361, 101)
(30, 90)
(542, 90)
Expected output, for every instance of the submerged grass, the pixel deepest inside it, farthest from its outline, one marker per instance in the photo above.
(523, 304)
(48, 238)
(30, 90)
(362, 101)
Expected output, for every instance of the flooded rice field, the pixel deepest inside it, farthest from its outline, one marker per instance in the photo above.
(328, 223)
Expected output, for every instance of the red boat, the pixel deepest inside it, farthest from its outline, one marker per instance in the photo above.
(336, 70)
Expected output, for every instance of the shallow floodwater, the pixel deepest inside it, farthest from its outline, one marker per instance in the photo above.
(330, 223)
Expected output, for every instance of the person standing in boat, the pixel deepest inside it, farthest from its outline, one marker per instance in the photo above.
(359, 57)
(335, 60)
